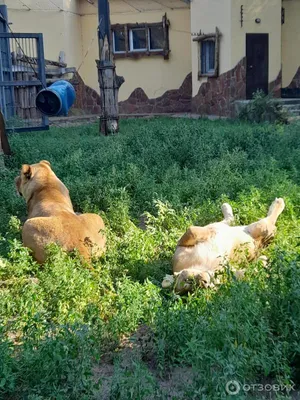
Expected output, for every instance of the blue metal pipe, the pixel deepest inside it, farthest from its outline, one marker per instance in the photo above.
(57, 99)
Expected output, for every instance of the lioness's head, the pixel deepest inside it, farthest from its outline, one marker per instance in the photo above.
(36, 177)
(31, 177)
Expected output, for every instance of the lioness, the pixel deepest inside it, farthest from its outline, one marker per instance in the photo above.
(51, 218)
(202, 251)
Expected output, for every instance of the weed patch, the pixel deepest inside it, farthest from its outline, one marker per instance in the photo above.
(60, 321)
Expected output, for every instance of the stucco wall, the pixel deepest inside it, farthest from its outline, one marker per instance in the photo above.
(290, 41)
(225, 14)
(207, 15)
(269, 11)
(153, 74)
(61, 29)
(71, 26)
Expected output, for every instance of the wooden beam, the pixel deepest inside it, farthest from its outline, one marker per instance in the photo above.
(211, 36)
(217, 52)
(109, 82)
(33, 60)
(4, 145)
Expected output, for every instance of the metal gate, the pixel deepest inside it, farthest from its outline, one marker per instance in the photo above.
(22, 76)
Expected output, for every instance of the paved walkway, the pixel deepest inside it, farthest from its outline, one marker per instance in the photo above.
(83, 119)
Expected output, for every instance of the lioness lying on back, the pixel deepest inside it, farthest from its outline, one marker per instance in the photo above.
(51, 218)
(202, 251)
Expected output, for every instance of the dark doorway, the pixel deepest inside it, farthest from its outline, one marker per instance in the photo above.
(257, 55)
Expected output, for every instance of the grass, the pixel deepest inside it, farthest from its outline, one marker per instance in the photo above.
(109, 331)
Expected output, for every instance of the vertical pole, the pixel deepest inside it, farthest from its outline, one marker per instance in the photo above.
(4, 145)
(41, 70)
(7, 100)
(109, 82)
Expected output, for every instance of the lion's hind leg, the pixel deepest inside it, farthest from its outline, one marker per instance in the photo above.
(227, 213)
(196, 234)
(265, 228)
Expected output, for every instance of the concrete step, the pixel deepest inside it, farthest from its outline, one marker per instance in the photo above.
(289, 102)
(295, 112)
(291, 107)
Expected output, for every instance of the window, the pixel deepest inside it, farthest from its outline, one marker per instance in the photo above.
(119, 41)
(156, 38)
(138, 40)
(207, 57)
(208, 45)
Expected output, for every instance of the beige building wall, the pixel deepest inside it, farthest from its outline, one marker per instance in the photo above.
(71, 26)
(58, 20)
(72, 33)
(269, 11)
(207, 15)
(290, 41)
(153, 74)
(225, 14)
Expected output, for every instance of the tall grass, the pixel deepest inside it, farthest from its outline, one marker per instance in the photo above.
(61, 320)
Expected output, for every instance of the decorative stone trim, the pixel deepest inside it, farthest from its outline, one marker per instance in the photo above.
(295, 84)
(275, 86)
(172, 101)
(87, 99)
(293, 89)
(217, 95)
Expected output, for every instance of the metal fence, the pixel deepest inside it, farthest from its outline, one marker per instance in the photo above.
(22, 76)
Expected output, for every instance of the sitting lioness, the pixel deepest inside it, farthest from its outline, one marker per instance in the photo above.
(202, 251)
(51, 218)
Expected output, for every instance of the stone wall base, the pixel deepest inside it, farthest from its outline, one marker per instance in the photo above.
(172, 101)
(217, 95)
(87, 99)
(293, 89)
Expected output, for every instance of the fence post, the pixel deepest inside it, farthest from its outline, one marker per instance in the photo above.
(109, 82)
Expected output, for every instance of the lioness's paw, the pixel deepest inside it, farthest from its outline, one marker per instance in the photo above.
(227, 212)
(239, 274)
(277, 206)
(264, 260)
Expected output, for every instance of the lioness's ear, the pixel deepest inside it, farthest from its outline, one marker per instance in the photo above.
(45, 162)
(26, 171)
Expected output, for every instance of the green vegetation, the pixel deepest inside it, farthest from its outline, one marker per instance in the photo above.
(264, 108)
(69, 331)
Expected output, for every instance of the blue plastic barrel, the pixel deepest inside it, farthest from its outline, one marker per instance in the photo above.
(57, 99)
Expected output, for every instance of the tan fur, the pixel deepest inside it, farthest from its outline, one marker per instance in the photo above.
(202, 251)
(51, 218)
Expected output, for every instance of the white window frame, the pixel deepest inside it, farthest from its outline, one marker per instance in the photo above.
(131, 40)
(212, 70)
(132, 52)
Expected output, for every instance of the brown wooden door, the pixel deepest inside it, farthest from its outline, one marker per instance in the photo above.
(257, 54)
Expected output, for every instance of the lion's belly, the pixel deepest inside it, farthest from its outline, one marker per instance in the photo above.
(211, 254)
